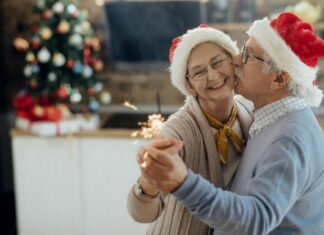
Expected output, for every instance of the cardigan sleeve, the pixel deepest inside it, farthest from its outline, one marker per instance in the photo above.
(145, 210)
(275, 187)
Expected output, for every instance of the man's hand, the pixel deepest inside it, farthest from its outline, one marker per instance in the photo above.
(163, 165)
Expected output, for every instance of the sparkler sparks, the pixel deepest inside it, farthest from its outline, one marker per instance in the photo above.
(129, 105)
(151, 128)
(148, 130)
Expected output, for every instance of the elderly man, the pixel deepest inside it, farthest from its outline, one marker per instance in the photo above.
(279, 186)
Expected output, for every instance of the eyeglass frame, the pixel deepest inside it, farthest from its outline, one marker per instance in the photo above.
(246, 55)
(205, 69)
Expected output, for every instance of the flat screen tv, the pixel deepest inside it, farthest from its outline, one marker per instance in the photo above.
(140, 32)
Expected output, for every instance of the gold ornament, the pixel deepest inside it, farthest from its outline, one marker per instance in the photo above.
(21, 44)
(30, 57)
(39, 111)
(46, 33)
(105, 97)
(64, 26)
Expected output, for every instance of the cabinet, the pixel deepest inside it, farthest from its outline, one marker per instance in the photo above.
(74, 185)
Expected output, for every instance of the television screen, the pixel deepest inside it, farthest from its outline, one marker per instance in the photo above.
(140, 32)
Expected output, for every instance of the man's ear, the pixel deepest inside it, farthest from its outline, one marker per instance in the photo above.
(280, 81)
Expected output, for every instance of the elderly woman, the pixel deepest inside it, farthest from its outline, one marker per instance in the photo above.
(213, 124)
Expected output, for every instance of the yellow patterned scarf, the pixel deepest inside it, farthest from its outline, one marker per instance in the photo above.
(224, 133)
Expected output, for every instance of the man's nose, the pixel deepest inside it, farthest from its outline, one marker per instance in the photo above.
(237, 60)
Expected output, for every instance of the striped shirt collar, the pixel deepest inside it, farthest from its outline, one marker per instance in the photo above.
(273, 111)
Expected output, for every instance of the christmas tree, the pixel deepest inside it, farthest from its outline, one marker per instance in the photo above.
(62, 58)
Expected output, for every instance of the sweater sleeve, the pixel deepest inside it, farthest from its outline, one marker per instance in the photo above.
(145, 210)
(278, 181)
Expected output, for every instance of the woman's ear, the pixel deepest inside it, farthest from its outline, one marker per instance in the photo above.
(191, 88)
(280, 81)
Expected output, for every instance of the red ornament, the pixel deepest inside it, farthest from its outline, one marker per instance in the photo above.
(86, 52)
(35, 45)
(33, 84)
(74, 14)
(62, 92)
(88, 60)
(47, 14)
(70, 63)
(34, 28)
(91, 91)
(52, 113)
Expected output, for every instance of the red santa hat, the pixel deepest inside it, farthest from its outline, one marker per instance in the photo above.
(294, 48)
(182, 46)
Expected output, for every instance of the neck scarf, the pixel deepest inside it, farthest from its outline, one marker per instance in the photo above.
(225, 133)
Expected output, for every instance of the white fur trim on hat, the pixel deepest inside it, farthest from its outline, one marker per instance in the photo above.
(285, 59)
(190, 40)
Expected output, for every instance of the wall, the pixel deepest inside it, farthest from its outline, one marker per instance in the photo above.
(137, 88)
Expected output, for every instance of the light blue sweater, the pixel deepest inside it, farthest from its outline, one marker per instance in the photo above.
(278, 189)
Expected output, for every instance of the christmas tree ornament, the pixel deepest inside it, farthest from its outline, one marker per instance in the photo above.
(41, 4)
(70, 63)
(105, 97)
(44, 55)
(76, 97)
(21, 44)
(34, 28)
(98, 86)
(63, 92)
(35, 69)
(45, 33)
(30, 57)
(72, 10)
(63, 27)
(58, 59)
(47, 14)
(83, 14)
(35, 43)
(87, 71)
(91, 91)
(78, 67)
(94, 105)
(52, 77)
(28, 71)
(58, 7)
(76, 40)
(86, 52)
(78, 29)
(98, 65)
(86, 28)
(96, 44)
(38, 111)
(33, 84)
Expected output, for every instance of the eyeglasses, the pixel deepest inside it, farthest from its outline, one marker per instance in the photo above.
(246, 54)
(219, 63)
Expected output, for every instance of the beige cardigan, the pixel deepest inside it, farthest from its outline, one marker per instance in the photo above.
(168, 217)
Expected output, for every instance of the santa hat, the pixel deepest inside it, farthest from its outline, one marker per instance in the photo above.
(182, 46)
(294, 48)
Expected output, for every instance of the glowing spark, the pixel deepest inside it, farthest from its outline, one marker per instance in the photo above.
(129, 105)
(145, 160)
(151, 128)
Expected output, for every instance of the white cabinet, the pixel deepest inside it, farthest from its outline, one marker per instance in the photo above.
(74, 185)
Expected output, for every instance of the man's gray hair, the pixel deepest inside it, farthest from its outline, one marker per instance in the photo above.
(269, 65)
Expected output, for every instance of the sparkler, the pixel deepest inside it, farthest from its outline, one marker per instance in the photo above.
(129, 105)
(149, 129)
